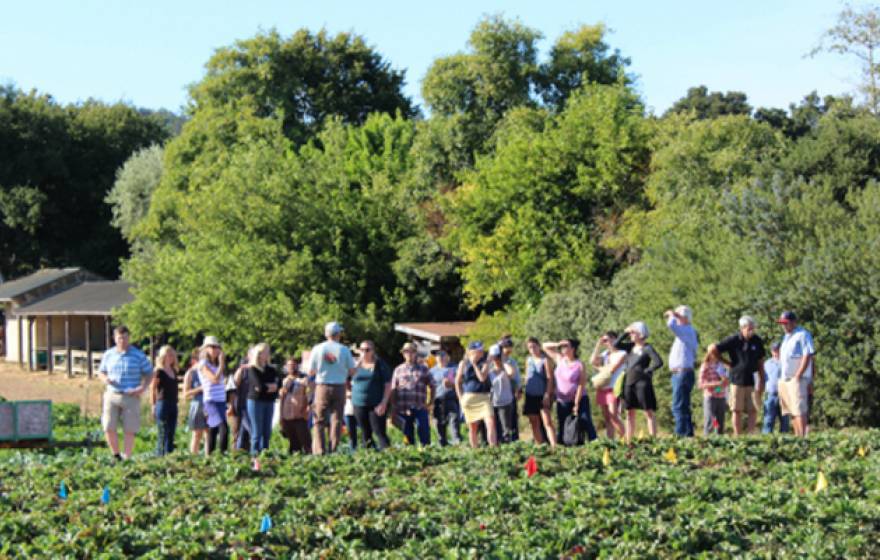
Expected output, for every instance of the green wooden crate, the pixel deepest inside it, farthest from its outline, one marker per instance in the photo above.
(7, 421)
(29, 420)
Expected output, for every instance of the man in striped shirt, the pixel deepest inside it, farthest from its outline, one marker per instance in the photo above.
(127, 373)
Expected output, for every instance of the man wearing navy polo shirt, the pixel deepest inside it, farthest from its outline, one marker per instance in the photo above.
(745, 351)
(127, 373)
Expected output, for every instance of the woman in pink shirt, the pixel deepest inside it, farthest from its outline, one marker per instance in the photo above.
(571, 392)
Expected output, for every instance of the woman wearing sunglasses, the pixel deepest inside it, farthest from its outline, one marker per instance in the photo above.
(370, 394)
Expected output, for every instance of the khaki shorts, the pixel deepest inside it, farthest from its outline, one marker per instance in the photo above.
(793, 397)
(741, 398)
(126, 406)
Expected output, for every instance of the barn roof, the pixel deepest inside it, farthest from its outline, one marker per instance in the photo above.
(88, 298)
(435, 331)
(40, 278)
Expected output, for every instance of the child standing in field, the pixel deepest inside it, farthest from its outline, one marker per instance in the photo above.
(713, 381)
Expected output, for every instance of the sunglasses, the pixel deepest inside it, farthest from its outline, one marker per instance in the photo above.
(363, 349)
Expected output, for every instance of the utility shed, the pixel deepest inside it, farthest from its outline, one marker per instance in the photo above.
(72, 327)
(430, 337)
(27, 290)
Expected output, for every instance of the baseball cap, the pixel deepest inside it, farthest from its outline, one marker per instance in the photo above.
(787, 317)
(475, 345)
(685, 311)
(506, 342)
(494, 350)
(775, 346)
(332, 328)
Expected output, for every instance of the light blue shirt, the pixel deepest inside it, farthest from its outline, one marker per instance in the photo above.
(125, 370)
(331, 362)
(772, 371)
(440, 374)
(684, 349)
(502, 387)
(795, 345)
(516, 378)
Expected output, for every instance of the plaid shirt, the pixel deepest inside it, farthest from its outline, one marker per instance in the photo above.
(410, 385)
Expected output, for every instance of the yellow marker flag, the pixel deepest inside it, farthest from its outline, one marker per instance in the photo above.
(862, 452)
(821, 482)
(671, 456)
(642, 434)
(606, 458)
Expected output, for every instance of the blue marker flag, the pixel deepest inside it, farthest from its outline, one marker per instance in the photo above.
(62, 492)
(105, 496)
(266, 524)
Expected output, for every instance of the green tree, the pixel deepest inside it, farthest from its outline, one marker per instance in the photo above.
(303, 79)
(294, 238)
(525, 221)
(707, 105)
(857, 33)
(131, 193)
(65, 157)
(579, 57)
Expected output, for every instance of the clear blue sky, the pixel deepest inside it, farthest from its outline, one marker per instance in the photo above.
(146, 53)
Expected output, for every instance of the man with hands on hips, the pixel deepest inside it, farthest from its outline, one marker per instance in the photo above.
(127, 373)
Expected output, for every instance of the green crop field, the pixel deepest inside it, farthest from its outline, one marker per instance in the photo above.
(717, 498)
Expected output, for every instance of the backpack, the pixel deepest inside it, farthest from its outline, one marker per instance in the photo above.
(572, 431)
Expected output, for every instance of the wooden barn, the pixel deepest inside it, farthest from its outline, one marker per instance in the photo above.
(60, 319)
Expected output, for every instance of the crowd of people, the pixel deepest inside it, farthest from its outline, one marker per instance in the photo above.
(312, 396)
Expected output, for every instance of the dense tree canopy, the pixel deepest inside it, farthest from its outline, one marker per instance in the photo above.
(57, 164)
(303, 80)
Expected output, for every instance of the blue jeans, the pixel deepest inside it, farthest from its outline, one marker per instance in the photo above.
(260, 414)
(243, 441)
(166, 424)
(772, 411)
(448, 415)
(682, 385)
(416, 416)
(564, 410)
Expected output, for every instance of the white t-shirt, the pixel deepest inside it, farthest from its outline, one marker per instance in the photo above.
(795, 345)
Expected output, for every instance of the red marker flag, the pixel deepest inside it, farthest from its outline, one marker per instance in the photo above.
(715, 425)
(531, 466)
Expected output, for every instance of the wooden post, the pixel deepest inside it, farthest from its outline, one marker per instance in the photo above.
(106, 332)
(30, 344)
(68, 356)
(89, 346)
(153, 349)
(49, 364)
(21, 341)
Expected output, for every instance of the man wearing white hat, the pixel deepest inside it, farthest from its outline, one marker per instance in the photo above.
(681, 363)
(332, 365)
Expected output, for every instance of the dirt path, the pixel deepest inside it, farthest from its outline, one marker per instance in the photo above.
(17, 384)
